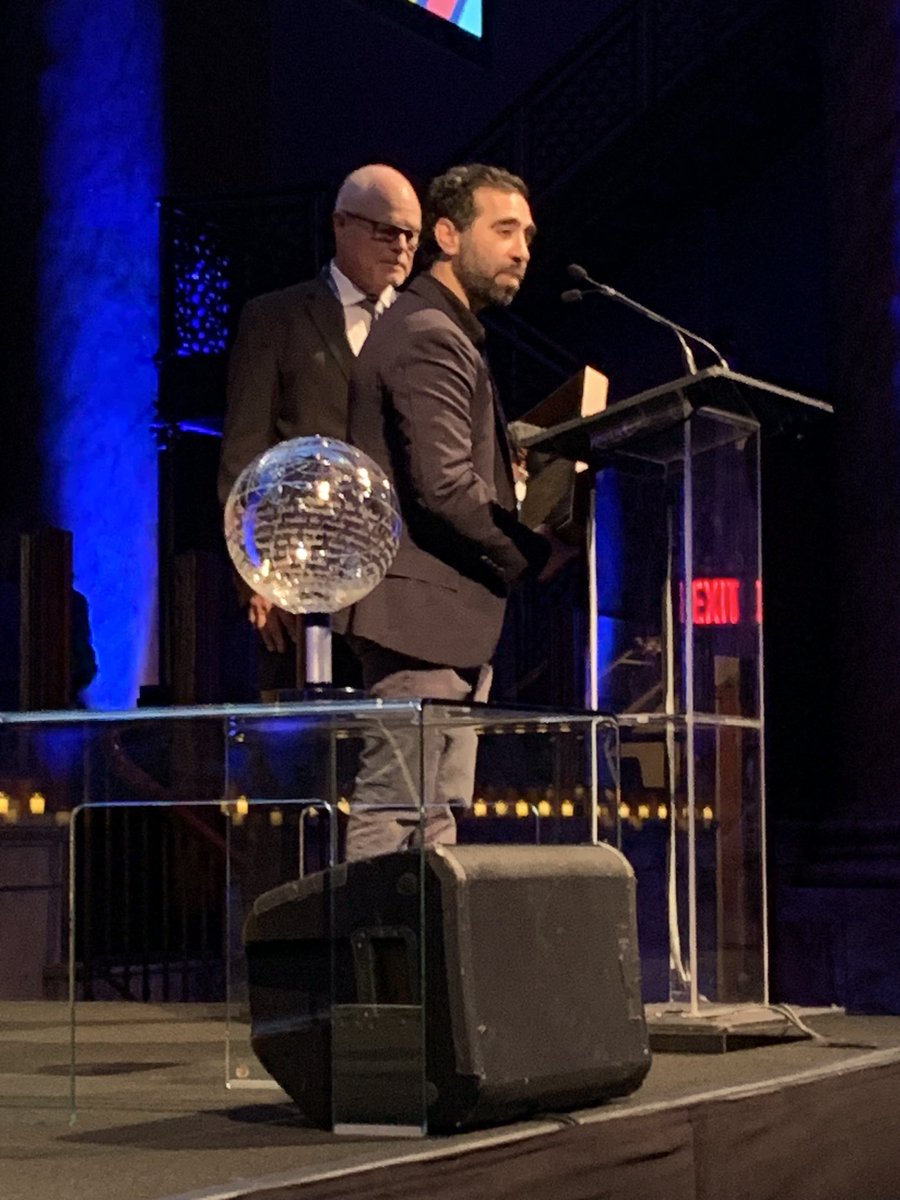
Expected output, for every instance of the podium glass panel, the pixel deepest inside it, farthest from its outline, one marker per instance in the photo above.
(678, 656)
(701, 898)
(678, 535)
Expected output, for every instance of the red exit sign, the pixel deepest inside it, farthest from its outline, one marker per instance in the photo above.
(723, 600)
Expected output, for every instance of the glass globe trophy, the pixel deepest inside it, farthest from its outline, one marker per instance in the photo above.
(312, 525)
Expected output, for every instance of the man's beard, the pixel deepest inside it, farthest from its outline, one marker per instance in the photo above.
(483, 290)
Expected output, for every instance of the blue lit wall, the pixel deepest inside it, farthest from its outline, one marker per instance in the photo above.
(102, 162)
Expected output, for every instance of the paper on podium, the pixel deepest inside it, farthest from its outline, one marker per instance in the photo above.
(584, 395)
(558, 490)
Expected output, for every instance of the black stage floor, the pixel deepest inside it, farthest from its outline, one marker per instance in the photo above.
(154, 1120)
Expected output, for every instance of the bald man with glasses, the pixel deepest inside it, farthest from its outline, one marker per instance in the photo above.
(289, 370)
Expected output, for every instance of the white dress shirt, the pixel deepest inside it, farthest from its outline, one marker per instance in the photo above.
(358, 314)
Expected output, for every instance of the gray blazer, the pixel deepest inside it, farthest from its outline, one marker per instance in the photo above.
(423, 405)
(288, 374)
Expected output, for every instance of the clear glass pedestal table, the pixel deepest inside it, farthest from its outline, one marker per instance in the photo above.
(179, 819)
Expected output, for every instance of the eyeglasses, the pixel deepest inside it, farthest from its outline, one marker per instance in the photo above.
(380, 232)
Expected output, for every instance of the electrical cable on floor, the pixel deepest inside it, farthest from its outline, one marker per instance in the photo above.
(820, 1039)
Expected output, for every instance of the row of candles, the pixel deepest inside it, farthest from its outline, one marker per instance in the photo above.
(35, 806)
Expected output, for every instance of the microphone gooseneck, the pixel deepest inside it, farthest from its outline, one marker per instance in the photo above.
(576, 271)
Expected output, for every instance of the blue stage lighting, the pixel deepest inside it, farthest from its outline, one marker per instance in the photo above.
(101, 106)
(201, 301)
(608, 526)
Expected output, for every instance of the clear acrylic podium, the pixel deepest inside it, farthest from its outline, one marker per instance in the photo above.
(676, 652)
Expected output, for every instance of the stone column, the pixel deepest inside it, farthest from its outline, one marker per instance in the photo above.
(101, 129)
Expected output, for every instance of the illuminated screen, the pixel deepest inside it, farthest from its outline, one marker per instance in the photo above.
(464, 13)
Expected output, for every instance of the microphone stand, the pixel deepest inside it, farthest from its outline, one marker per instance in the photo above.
(687, 355)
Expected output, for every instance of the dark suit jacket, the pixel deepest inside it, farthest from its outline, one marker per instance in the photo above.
(288, 374)
(423, 405)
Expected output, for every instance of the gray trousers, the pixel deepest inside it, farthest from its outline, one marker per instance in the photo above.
(409, 779)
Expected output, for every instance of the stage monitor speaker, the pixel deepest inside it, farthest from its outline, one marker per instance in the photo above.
(532, 996)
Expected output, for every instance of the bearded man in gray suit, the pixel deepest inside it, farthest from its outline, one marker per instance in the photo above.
(424, 406)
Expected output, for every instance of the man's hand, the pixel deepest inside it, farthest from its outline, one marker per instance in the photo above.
(560, 554)
(276, 627)
(520, 474)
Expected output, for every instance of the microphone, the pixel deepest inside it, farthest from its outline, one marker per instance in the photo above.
(576, 271)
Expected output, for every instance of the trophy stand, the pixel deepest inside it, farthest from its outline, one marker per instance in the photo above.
(317, 630)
